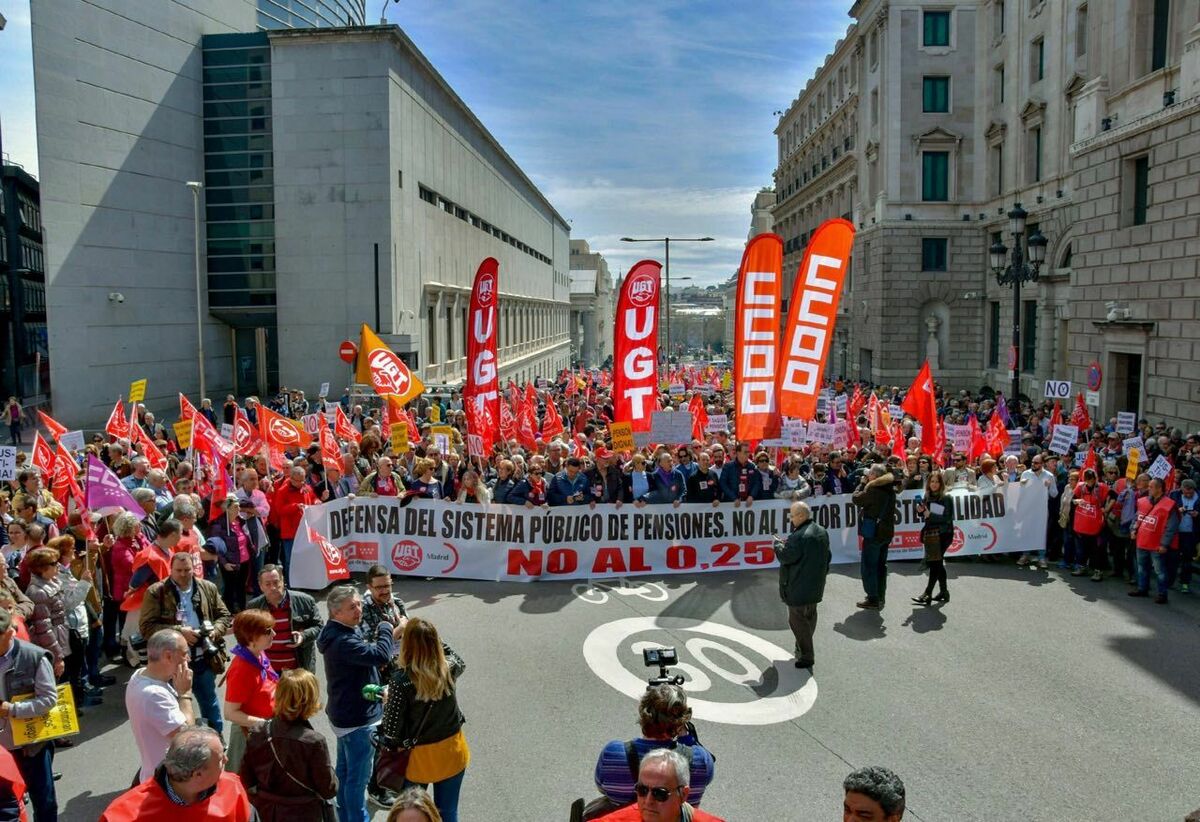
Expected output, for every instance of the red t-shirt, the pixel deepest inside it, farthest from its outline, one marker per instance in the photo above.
(245, 686)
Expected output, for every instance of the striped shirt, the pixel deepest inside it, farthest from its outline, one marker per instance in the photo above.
(616, 781)
(282, 657)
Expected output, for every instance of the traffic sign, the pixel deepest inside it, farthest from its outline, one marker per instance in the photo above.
(1094, 376)
(347, 351)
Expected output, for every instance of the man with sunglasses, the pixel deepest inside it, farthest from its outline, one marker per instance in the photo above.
(662, 792)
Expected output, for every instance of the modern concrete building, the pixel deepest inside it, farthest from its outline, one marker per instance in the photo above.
(24, 355)
(343, 182)
(930, 120)
(592, 306)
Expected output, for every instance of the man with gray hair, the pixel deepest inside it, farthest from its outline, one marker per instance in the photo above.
(192, 776)
(137, 479)
(803, 565)
(873, 794)
(875, 500)
(158, 698)
(662, 790)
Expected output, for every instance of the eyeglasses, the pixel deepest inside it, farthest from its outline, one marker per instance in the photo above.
(659, 794)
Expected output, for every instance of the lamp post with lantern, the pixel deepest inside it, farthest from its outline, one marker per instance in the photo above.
(1022, 267)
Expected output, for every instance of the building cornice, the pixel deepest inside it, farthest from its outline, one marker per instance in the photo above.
(1150, 121)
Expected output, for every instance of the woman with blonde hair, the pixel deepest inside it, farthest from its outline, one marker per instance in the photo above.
(422, 714)
(286, 767)
(414, 805)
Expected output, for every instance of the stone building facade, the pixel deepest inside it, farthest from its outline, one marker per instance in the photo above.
(951, 113)
(592, 306)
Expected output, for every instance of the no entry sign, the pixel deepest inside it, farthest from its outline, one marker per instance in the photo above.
(347, 351)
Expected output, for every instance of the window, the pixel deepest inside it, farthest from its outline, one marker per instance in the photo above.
(1035, 154)
(1161, 27)
(937, 28)
(993, 352)
(998, 18)
(1141, 188)
(1081, 30)
(997, 169)
(998, 84)
(1037, 59)
(431, 334)
(935, 95)
(933, 253)
(1028, 335)
(873, 49)
(935, 176)
(875, 107)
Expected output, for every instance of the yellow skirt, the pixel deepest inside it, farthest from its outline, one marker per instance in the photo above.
(439, 760)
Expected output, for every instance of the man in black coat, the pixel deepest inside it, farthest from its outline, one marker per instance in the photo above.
(876, 503)
(803, 565)
(704, 485)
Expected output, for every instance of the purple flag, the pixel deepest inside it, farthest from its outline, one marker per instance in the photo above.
(105, 493)
(1002, 410)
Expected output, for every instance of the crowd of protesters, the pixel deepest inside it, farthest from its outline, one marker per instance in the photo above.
(192, 580)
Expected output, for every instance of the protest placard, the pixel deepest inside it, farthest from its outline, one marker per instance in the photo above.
(62, 720)
(183, 433)
(621, 434)
(8, 462)
(72, 441)
(1126, 422)
(675, 389)
(1131, 471)
(1134, 442)
(839, 403)
(324, 392)
(671, 427)
(227, 431)
(822, 432)
(1161, 468)
(794, 433)
(137, 390)
(399, 437)
(1064, 437)
(959, 436)
(717, 423)
(895, 412)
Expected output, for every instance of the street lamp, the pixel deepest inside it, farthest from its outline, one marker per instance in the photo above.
(1015, 273)
(666, 241)
(195, 186)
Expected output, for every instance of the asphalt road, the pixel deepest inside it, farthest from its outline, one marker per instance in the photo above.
(1031, 696)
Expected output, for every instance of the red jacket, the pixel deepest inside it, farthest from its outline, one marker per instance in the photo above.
(630, 813)
(286, 509)
(148, 802)
(12, 782)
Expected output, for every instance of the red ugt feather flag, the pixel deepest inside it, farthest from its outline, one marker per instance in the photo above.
(920, 404)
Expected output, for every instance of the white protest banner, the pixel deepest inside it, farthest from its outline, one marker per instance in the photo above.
(8, 462)
(503, 542)
(1134, 442)
(1126, 422)
(959, 436)
(717, 423)
(227, 431)
(73, 440)
(671, 427)
(1058, 389)
(1064, 437)
(1161, 469)
(324, 392)
(794, 433)
(822, 432)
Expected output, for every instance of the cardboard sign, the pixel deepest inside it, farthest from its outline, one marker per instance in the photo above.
(475, 445)
(137, 390)
(822, 432)
(841, 433)
(183, 433)
(311, 423)
(621, 434)
(1161, 469)
(227, 431)
(1080, 458)
(1014, 441)
(726, 381)
(675, 389)
(1058, 389)
(794, 434)
(442, 443)
(959, 436)
(541, 383)
(1126, 422)
(840, 404)
(717, 423)
(1130, 443)
(671, 427)
(399, 434)
(8, 462)
(72, 441)
(435, 413)
(896, 412)
(61, 720)
(442, 430)
(1064, 437)
(324, 392)
(1131, 472)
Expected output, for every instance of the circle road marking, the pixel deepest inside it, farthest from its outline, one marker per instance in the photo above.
(798, 690)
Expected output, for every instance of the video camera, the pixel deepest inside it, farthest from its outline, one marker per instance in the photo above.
(661, 658)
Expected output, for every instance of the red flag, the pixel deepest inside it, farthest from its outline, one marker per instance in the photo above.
(857, 401)
(55, 428)
(186, 409)
(222, 486)
(552, 424)
(920, 404)
(873, 421)
(508, 422)
(898, 441)
(331, 455)
(978, 442)
(116, 426)
(1055, 418)
(43, 456)
(414, 431)
(699, 417)
(812, 313)
(939, 444)
(997, 436)
(343, 428)
(278, 431)
(205, 438)
(481, 390)
(152, 454)
(1080, 415)
(635, 384)
(246, 438)
(382, 367)
(65, 484)
(756, 339)
(1090, 460)
(527, 418)
(336, 566)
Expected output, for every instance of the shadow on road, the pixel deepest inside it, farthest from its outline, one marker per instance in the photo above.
(862, 625)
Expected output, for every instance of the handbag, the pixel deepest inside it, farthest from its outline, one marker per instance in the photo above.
(391, 765)
(932, 540)
(328, 811)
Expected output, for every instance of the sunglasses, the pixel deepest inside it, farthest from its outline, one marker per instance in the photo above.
(659, 794)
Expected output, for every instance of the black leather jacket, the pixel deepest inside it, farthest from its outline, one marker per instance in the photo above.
(403, 713)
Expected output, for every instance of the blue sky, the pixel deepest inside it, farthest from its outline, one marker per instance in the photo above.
(634, 118)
